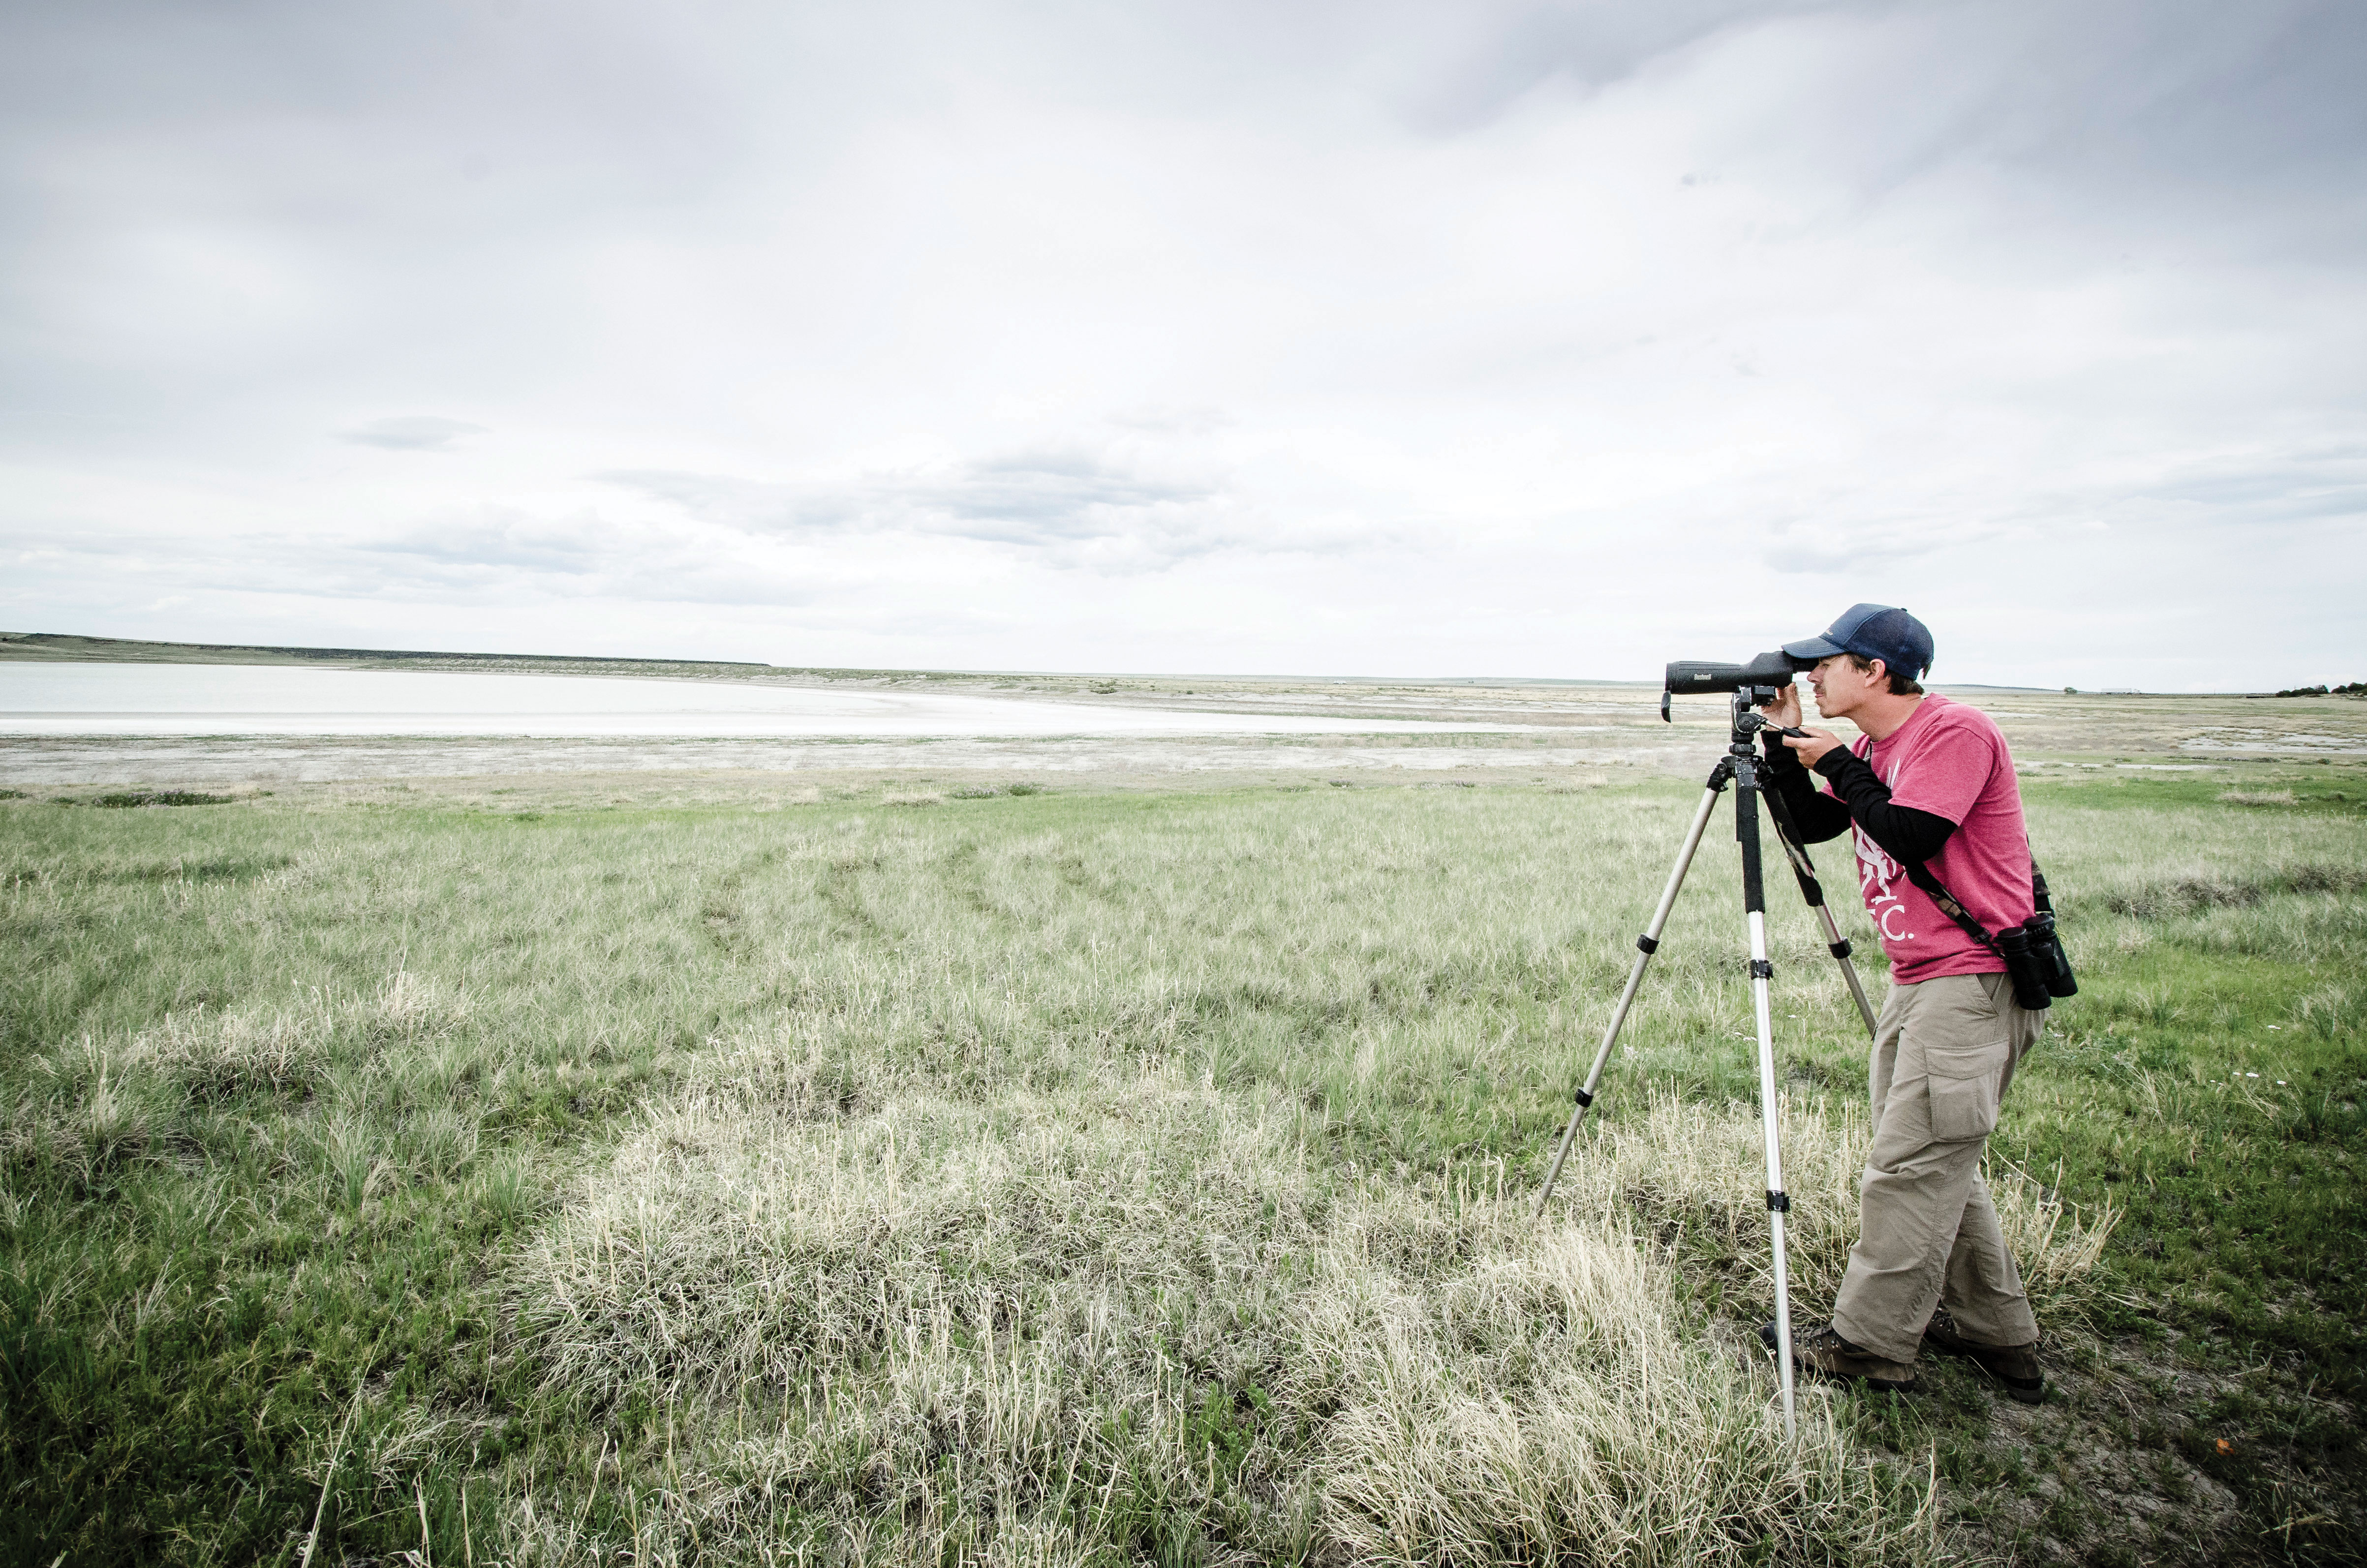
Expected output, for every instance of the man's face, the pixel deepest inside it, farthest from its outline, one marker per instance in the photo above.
(1841, 686)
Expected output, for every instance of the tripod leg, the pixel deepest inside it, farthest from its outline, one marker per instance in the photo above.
(1754, 904)
(1813, 890)
(1646, 945)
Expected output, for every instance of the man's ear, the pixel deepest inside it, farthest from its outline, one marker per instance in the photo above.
(1878, 672)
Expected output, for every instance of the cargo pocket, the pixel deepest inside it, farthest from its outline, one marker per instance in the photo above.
(1964, 1082)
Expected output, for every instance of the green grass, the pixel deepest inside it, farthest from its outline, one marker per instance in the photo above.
(1091, 1177)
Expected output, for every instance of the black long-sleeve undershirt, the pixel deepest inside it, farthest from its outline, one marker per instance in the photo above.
(1859, 794)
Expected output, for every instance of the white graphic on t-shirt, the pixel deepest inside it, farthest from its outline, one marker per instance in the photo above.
(1876, 872)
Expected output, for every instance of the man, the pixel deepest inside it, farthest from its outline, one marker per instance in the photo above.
(1930, 781)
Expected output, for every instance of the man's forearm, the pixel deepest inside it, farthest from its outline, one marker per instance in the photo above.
(1902, 832)
(1817, 815)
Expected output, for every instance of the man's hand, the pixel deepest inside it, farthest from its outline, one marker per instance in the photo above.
(1784, 711)
(1814, 745)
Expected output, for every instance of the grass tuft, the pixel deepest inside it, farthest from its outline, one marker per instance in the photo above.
(122, 799)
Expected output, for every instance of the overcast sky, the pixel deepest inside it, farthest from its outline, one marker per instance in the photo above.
(1470, 338)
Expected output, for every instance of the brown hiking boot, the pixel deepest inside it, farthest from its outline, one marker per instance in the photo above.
(1818, 1348)
(2015, 1366)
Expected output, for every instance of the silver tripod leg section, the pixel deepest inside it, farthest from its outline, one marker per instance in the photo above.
(1777, 1200)
(1645, 946)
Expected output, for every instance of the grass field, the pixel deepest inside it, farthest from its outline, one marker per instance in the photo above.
(1097, 1177)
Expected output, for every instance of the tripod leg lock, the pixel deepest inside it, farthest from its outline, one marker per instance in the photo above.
(1779, 1203)
(1584, 1099)
(1841, 949)
(1647, 945)
(1761, 970)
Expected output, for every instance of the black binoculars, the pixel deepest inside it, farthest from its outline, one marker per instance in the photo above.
(2035, 961)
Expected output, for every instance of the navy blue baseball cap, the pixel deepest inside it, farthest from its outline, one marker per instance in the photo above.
(1873, 632)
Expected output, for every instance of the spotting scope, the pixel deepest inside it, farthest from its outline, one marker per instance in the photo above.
(1764, 677)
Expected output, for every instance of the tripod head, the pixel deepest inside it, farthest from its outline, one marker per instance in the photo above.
(1747, 723)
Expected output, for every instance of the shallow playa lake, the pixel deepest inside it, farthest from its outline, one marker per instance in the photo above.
(270, 700)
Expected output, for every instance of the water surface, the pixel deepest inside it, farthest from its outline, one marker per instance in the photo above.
(278, 699)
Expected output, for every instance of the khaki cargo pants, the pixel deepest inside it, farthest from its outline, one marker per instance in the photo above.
(1944, 1051)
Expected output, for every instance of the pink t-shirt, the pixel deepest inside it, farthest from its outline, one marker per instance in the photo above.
(1950, 760)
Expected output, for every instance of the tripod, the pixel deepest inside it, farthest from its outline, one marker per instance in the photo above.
(1739, 767)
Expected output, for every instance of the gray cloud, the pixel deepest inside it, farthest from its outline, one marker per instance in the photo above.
(512, 542)
(2308, 494)
(585, 556)
(1068, 504)
(412, 433)
(1043, 496)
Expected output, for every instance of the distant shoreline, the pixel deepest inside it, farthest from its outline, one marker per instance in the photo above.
(60, 647)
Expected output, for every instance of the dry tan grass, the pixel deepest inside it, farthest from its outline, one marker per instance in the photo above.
(104, 1100)
(1694, 1170)
(217, 1055)
(1019, 1327)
